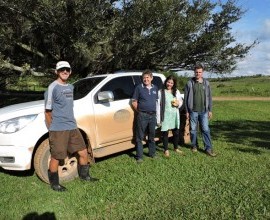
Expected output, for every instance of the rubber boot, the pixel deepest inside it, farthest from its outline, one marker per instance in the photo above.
(54, 182)
(84, 173)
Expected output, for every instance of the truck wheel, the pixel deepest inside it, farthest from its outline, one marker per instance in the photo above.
(68, 171)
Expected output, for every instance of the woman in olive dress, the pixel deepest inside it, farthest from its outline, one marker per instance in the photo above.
(168, 116)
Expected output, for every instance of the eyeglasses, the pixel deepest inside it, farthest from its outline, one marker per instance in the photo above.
(64, 69)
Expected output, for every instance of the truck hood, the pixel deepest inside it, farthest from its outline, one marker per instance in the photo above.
(17, 110)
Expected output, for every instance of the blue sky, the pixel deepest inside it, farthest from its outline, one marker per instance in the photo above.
(255, 24)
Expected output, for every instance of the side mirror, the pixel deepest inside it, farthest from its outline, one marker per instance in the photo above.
(105, 96)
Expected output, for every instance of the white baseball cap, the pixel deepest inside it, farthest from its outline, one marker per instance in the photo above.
(62, 64)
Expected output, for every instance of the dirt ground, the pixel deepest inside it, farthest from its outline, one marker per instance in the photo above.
(244, 98)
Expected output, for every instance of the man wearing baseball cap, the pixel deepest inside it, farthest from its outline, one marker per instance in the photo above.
(64, 136)
(62, 64)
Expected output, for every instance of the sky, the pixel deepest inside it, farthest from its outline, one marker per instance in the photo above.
(253, 25)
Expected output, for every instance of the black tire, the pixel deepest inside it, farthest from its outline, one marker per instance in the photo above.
(67, 172)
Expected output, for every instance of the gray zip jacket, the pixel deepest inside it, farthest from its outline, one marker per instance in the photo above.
(188, 99)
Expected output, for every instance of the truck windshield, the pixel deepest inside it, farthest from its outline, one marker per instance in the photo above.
(83, 86)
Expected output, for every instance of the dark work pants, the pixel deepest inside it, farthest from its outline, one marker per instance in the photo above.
(165, 138)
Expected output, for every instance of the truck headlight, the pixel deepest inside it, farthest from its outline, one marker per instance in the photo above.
(16, 124)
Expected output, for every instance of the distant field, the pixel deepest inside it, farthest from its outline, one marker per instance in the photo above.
(227, 88)
(242, 86)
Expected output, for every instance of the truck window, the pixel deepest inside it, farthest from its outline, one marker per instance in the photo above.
(84, 86)
(121, 87)
(158, 82)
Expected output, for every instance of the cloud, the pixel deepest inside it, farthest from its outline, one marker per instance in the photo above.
(265, 32)
(254, 25)
(258, 59)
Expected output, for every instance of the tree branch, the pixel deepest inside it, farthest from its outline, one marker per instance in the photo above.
(23, 70)
(31, 50)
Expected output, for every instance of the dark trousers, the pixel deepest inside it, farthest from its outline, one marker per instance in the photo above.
(145, 121)
(165, 138)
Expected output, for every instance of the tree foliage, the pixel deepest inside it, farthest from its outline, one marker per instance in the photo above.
(100, 36)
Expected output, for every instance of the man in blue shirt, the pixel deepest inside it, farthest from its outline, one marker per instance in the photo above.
(144, 102)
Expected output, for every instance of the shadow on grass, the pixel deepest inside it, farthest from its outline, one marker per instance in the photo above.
(131, 153)
(17, 173)
(248, 150)
(36, 216)
(251, 133)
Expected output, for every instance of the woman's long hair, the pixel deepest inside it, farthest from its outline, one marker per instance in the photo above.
(174, 88)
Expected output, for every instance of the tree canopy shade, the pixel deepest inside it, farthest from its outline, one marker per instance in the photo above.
(100, 36)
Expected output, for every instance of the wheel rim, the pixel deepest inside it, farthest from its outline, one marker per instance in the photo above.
(69, 167)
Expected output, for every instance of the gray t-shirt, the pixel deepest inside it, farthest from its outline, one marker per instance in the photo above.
(59, 99)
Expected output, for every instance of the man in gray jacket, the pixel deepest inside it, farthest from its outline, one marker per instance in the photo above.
(198, 104)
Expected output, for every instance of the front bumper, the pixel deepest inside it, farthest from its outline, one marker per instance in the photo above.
(16, 149)
(15, 158)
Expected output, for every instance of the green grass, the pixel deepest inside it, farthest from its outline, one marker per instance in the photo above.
(241, 86)
(234, 185)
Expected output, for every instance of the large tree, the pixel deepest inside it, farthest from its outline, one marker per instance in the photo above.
(100, 36)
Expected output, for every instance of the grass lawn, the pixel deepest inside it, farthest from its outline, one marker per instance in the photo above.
(241, 86)
(234, 185)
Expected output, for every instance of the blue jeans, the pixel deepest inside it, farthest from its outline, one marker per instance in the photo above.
(145, 121)
(202, 118)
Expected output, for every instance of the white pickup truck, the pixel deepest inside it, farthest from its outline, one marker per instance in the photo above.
(102, 108)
